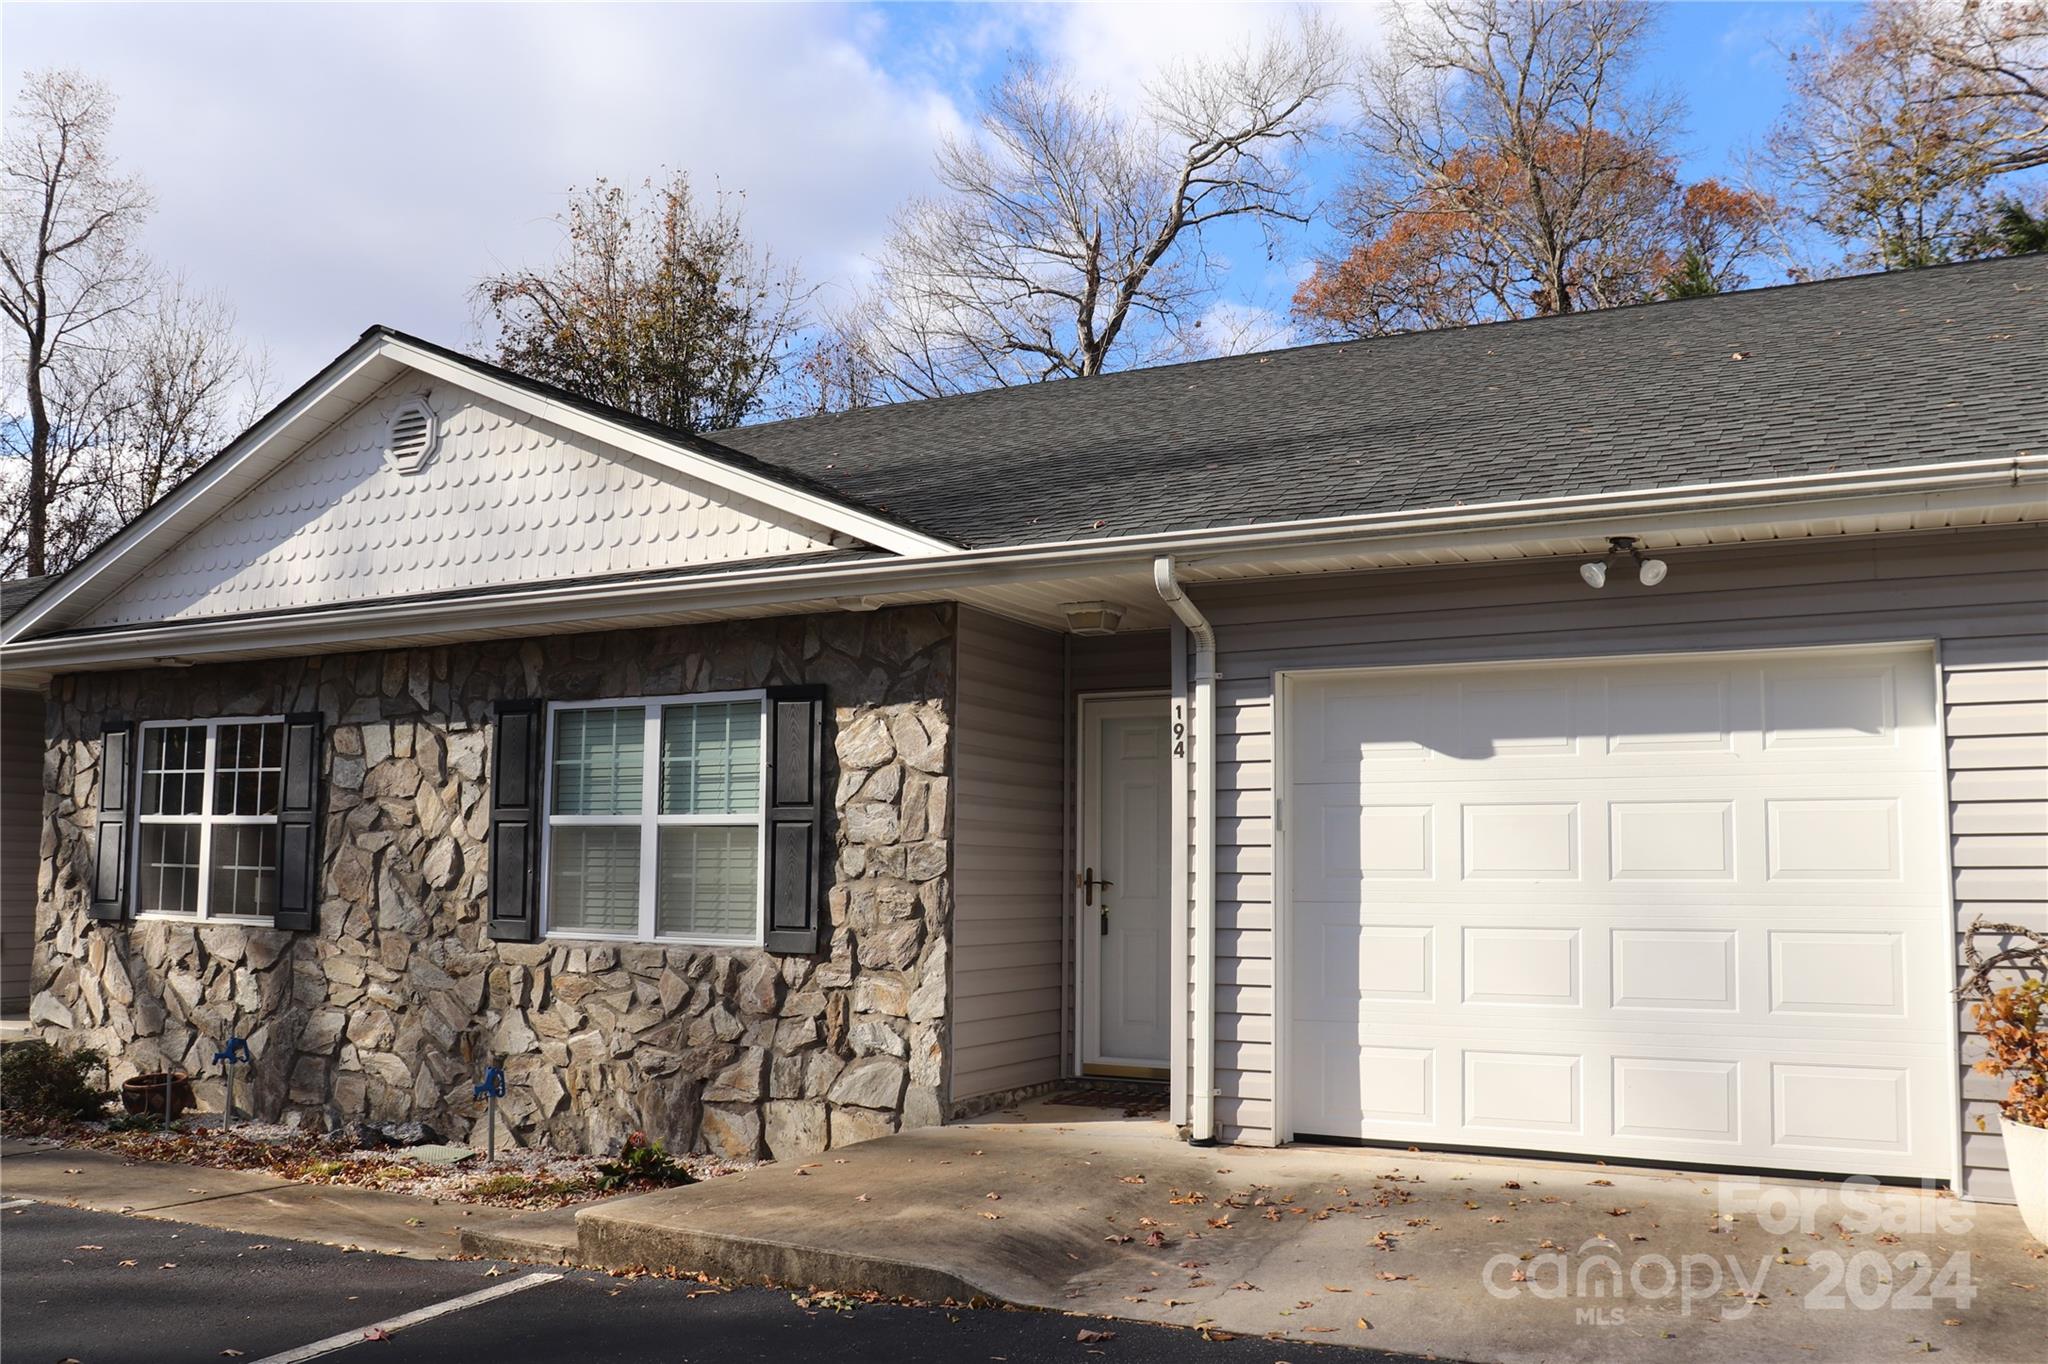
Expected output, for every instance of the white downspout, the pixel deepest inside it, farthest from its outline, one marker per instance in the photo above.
(1201, 748)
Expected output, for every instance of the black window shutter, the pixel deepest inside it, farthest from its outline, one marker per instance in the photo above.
(516, 743)
(298, 825)
(796, 817)
(116, 821)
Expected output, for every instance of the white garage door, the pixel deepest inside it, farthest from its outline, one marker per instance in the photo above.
(1687, 910)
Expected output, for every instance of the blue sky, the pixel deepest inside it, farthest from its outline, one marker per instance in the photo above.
(327, 167)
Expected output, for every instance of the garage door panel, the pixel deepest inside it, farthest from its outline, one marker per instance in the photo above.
(1521, 965)
(1667, 1098)
(1665, 969)
(1684, 910)
(1810, 832)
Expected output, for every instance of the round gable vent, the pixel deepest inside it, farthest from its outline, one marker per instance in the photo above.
(409, 438)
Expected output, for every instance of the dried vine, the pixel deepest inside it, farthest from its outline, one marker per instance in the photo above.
(2026, 953)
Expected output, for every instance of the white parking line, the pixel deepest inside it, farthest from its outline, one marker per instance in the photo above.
(392, 1325)
(11, 1204)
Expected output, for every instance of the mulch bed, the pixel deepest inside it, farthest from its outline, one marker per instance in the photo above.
(518, 1178)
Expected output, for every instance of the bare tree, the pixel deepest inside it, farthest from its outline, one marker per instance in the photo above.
(120, 382)
(73, 277)
(1509, 165)
(1067, 239)
(187, 388)
(657, 305)
(1996, 52)
(1901, 122)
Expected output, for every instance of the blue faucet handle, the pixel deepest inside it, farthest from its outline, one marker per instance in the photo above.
(493, 1085)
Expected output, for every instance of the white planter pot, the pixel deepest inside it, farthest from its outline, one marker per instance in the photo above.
(2026, 1156)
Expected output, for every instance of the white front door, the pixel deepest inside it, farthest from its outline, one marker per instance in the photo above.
(1121, 900)
(1685, 909)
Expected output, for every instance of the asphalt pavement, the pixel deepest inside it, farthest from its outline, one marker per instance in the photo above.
(100, 1288)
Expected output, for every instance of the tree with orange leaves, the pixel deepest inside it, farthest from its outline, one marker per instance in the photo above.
(1904, 123)
(1508, 169)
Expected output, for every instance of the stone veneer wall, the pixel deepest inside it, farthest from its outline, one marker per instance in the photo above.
(389, 1008)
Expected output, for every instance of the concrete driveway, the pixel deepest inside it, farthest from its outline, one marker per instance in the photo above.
(1472, 1258)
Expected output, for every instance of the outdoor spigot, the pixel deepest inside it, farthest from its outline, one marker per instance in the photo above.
(491, 1090)
(235, 1053)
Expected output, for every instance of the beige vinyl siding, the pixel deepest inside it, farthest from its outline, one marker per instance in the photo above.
(1009, 857)
(1979, 593)
(1133, 662)
(21, 823)
(1997, 720)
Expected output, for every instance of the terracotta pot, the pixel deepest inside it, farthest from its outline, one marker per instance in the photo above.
(2026, 1156)
(145, 1093)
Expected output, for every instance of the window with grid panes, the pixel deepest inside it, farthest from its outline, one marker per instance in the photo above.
(206, 818)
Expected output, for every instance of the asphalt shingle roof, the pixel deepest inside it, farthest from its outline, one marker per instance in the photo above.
(16, 593)
(1879, 370)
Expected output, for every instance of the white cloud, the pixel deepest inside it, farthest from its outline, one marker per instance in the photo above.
(1229, 328)
(1119, 47)
(330, 167)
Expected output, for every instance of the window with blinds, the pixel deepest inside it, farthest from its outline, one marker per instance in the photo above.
(654, 820)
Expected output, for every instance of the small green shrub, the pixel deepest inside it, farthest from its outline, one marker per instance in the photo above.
(641, 1162)
(42, 1081)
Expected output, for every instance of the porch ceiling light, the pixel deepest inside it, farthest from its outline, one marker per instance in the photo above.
(1649, 572)
(1092, 617)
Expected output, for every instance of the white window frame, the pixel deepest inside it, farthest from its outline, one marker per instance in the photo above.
(650, 821)
(206, 818)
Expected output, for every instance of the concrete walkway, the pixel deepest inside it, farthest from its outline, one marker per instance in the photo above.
(246, 1201)
(1464, 1258)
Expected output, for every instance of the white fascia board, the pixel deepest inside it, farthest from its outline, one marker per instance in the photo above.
(852, 521)
(1974, 485)
(142, 540)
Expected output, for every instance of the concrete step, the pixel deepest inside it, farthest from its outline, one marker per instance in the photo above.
(683, 1229)
(545, 1237)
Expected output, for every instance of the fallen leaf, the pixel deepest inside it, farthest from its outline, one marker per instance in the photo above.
(1088, 1337)
(1617, 1212)
(1602, 1183)
(993, 1216)
(376, 1333)
(1512, 1184)
(1364, 1325)
(232, 1354)
(1332, 1288)
(995, 1197)
(1123, 1179)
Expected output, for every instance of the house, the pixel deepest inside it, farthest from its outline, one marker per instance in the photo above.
(21, 819)
(1585, 735)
